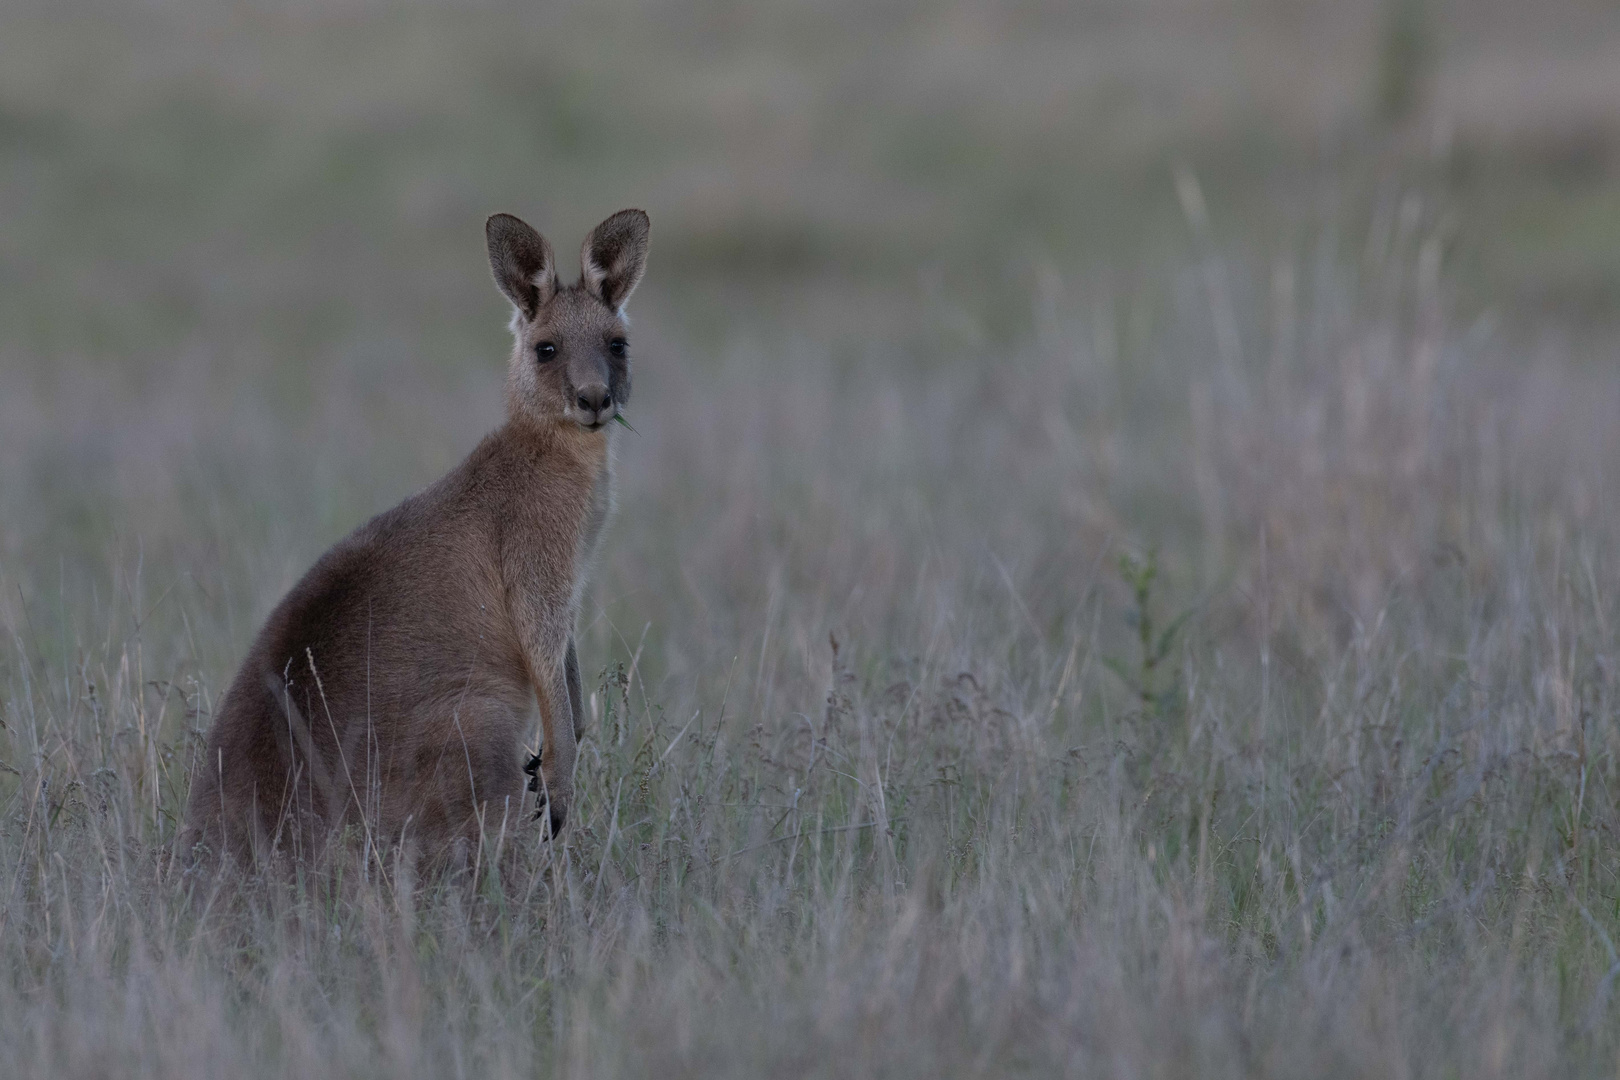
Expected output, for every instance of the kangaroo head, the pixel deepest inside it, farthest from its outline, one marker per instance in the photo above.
(571, 359)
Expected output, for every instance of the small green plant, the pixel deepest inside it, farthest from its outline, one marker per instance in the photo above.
(1157, 695)
(1406, 56)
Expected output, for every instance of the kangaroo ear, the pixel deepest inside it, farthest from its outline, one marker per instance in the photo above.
(614, 256)
(522, 261)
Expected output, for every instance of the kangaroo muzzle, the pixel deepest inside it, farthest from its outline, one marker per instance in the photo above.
(593, 405)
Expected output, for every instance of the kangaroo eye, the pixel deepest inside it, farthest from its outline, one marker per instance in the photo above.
(545, 351)
(618, 346)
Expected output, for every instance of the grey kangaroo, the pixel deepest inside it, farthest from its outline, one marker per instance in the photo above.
(393, 687)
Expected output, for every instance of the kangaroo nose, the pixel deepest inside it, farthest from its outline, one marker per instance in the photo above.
(595, 399)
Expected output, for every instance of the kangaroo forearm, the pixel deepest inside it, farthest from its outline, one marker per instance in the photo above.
(557, 734)
(576, 699)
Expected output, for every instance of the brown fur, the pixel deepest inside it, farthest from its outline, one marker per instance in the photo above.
(393, 687)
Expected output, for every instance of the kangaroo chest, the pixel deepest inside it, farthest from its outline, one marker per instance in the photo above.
(598, 508)
(566, 500)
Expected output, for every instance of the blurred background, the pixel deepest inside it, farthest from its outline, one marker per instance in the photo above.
(998, 285)
(997, 280)
(958, 319)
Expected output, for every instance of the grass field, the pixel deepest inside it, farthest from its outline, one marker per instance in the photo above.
(1116, 572)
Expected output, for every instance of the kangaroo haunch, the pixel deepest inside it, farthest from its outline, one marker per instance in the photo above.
(393, 687)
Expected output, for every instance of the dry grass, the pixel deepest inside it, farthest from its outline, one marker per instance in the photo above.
(877, 780)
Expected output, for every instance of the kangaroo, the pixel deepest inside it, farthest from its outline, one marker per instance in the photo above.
(393, 686)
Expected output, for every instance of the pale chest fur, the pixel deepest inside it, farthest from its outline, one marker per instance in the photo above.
(559, 495)
(598, 509)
